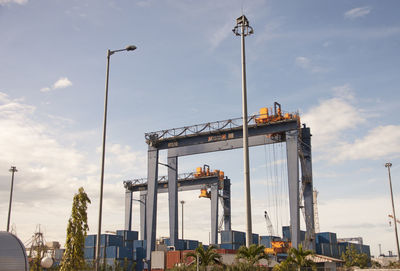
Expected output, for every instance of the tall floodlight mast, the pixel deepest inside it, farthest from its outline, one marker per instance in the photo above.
(388, 165)
(13, 169)
(243, 29)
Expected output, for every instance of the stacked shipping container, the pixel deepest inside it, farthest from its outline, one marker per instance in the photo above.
(114, 249)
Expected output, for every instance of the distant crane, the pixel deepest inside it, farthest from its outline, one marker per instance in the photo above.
(269, 224)
(390, 221)
(316, 218)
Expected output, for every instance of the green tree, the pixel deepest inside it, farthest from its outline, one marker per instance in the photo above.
(252, 254)
(73, 258)
(297, 259)
(206, 257)
(353, 258)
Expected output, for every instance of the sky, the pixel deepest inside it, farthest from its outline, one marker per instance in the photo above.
(335, 62)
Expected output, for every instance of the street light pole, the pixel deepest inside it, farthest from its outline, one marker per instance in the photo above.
(109, 53)
(388, 165)
(182, 202)
(243, 29)
(13, 169)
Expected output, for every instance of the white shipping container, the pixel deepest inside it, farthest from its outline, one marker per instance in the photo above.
(158, 260)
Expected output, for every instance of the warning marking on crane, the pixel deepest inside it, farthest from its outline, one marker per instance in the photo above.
(217, 138)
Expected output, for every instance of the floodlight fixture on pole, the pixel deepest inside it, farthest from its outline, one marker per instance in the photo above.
(13, 169)
(244, 29)
(388, 165)
(109, 53)
(182, 202)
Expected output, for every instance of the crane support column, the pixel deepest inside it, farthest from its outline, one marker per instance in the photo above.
(143, 222)
(307, 182)
(226, 194)
(128, 210)
(214, 214)
(151, 203)
(173, 199)
(293, 184)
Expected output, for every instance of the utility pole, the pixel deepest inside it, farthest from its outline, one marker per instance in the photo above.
(182, 202)
(243, 29)
(388, 165)
(13, 169)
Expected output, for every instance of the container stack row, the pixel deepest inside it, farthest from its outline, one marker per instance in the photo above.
(235, 239)
(286, 235)
(183, 244)
(343, 246)
(326, 244)
(115, 250)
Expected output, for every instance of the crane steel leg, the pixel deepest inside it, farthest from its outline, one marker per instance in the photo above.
(143, 200)
(214, 214)
(293, 180)
(128, 210)
(226, 193)
(173, 199)
(306, 171)
(151, 203)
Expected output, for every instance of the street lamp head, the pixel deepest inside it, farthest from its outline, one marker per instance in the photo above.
(388, 164)
(130, 47)
(182, 202)
(13, 169)
(242, 27)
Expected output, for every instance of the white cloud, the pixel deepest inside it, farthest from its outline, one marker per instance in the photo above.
(50, 172)
(63, 82)
(19, 2)
(306, 64)
(359, 216)
(331, 121)
(380, 142)
(344, 92)
(45, 89)
(357, 12)
(332, 117)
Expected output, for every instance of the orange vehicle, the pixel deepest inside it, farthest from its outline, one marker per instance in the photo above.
(278, 247)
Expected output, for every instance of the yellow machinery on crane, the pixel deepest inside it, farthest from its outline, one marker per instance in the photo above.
(205, 172)
(277, 115)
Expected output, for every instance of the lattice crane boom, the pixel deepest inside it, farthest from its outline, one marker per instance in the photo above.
(269, 224)
(316, 218)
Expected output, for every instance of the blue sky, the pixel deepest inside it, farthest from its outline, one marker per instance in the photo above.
(334, 62)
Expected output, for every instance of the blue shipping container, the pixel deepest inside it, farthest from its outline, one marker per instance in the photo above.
(191, 244)
(128, 235)
(286, 233)
(115, 252)
(139, 243)
(255, 238)
(326, 237)
(128, 244)
(180, 245)
(89, 252)
(90, 240)
(230, 237)
(139, 254)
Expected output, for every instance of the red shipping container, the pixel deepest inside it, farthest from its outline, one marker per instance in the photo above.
(173, 258)
(188, 260)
